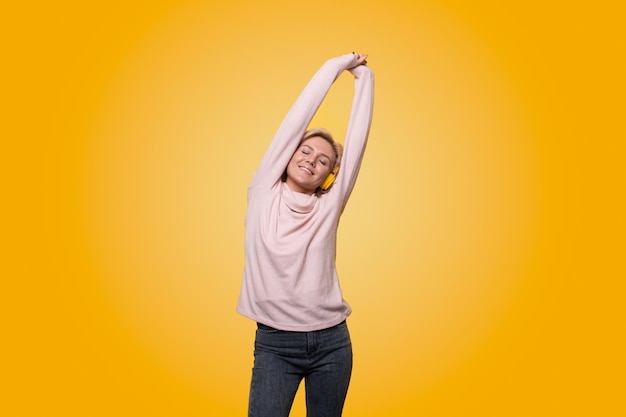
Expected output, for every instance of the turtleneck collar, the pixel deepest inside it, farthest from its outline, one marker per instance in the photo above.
(298, 202)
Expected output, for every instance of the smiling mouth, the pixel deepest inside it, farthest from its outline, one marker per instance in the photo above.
(305, 169)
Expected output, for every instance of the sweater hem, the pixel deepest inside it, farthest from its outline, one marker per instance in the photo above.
(296, 327)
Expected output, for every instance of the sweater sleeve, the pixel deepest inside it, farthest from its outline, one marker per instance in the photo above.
(358, 131)
(292, 128)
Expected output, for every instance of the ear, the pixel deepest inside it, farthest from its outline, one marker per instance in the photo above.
(330, 179)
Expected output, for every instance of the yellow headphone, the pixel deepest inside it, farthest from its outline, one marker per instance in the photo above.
(330, 179)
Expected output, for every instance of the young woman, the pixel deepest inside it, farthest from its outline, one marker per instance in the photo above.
(290, 285)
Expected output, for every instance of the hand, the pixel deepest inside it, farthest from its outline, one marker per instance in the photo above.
(361, 59)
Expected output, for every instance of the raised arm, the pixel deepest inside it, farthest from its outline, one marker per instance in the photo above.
(297, 120)
(358, 130)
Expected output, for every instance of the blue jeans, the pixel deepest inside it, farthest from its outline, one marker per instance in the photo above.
(323, 358)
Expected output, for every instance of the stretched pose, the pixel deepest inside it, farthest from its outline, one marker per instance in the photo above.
(290, 285)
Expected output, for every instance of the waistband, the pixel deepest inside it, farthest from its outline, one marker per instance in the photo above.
(266, 327)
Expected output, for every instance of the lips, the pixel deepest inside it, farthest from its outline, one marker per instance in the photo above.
(305, 169)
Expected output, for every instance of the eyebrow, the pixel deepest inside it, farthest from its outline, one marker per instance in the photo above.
(321, 153)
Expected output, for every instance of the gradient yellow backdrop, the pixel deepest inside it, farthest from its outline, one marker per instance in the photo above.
(482, 250)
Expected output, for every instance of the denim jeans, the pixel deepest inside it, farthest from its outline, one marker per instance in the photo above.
(323, 358)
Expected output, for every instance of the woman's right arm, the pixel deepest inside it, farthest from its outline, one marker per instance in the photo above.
(290, 132)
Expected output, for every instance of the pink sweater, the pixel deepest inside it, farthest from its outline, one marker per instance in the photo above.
(290, 280)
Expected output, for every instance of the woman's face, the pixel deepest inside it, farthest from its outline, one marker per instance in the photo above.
(310, 165)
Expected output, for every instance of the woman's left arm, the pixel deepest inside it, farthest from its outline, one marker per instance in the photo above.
(358, 130)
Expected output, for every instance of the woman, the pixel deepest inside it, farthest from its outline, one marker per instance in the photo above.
(290, 285)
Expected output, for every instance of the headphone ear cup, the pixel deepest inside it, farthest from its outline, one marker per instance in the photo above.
(330, 179)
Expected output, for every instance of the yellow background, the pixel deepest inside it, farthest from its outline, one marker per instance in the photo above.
(482, 250)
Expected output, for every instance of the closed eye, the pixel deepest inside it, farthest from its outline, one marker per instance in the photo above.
(322, 158)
